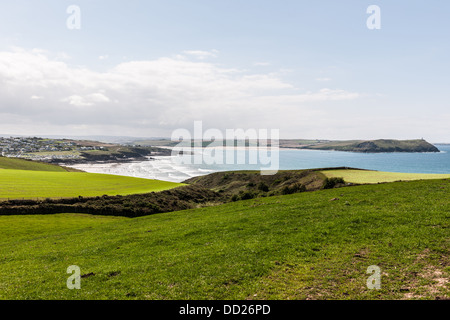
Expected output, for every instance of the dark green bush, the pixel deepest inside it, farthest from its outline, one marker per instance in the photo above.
(330, 183)
(247, 195)
(293, 188)
(130, 206)
(263, 187)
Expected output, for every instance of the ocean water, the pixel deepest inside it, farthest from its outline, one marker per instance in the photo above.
(177, 169)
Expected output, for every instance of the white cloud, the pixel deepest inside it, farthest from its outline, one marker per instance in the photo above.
(98, 97)
(323, 79)
(148, 98)
(77, 101)
(202, 55)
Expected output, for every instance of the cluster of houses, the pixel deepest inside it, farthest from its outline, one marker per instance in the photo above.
(39, 148)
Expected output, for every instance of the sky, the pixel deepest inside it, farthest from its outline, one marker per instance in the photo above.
(311, 69)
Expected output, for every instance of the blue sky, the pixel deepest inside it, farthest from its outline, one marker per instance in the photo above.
(144, 68)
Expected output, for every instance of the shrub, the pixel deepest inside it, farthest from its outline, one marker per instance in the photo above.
(293, 188)
(247, 196)
(330, 183)
(263, 187)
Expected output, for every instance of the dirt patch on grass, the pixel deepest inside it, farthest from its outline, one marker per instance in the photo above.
(287, 282)
(437, 288)
(310, 282)
(338, 277)
(432, 281)
(362, 254)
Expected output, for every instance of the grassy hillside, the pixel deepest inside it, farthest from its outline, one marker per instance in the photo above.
(33, 184)
(21, 164)
(313, 245)
(24, 227)
(366, 176)
(251, 184)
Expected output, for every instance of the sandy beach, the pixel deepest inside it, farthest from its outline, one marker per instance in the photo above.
(159, 168)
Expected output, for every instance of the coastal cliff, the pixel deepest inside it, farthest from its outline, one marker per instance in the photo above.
(372, 146)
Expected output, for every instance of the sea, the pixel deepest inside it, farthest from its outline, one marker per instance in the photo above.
(181, 168)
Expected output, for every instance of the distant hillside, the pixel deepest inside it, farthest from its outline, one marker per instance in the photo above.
(75, 151)
(368, 146)
(123, 153)
(372, 146)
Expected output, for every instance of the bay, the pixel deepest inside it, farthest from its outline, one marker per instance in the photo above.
(173, 168)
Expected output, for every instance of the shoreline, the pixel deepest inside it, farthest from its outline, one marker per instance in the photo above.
(170, 168)
(157, 168)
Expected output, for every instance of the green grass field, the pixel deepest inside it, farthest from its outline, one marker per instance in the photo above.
(21, 164)
(26, 227)
(363, 176)
(18, 184)
(312, 245)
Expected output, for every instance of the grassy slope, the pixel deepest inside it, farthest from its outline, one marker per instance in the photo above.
(365, 176)
(16, 228)
(20, 164)
(33, 184)
(297, 246)
(235, 182)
